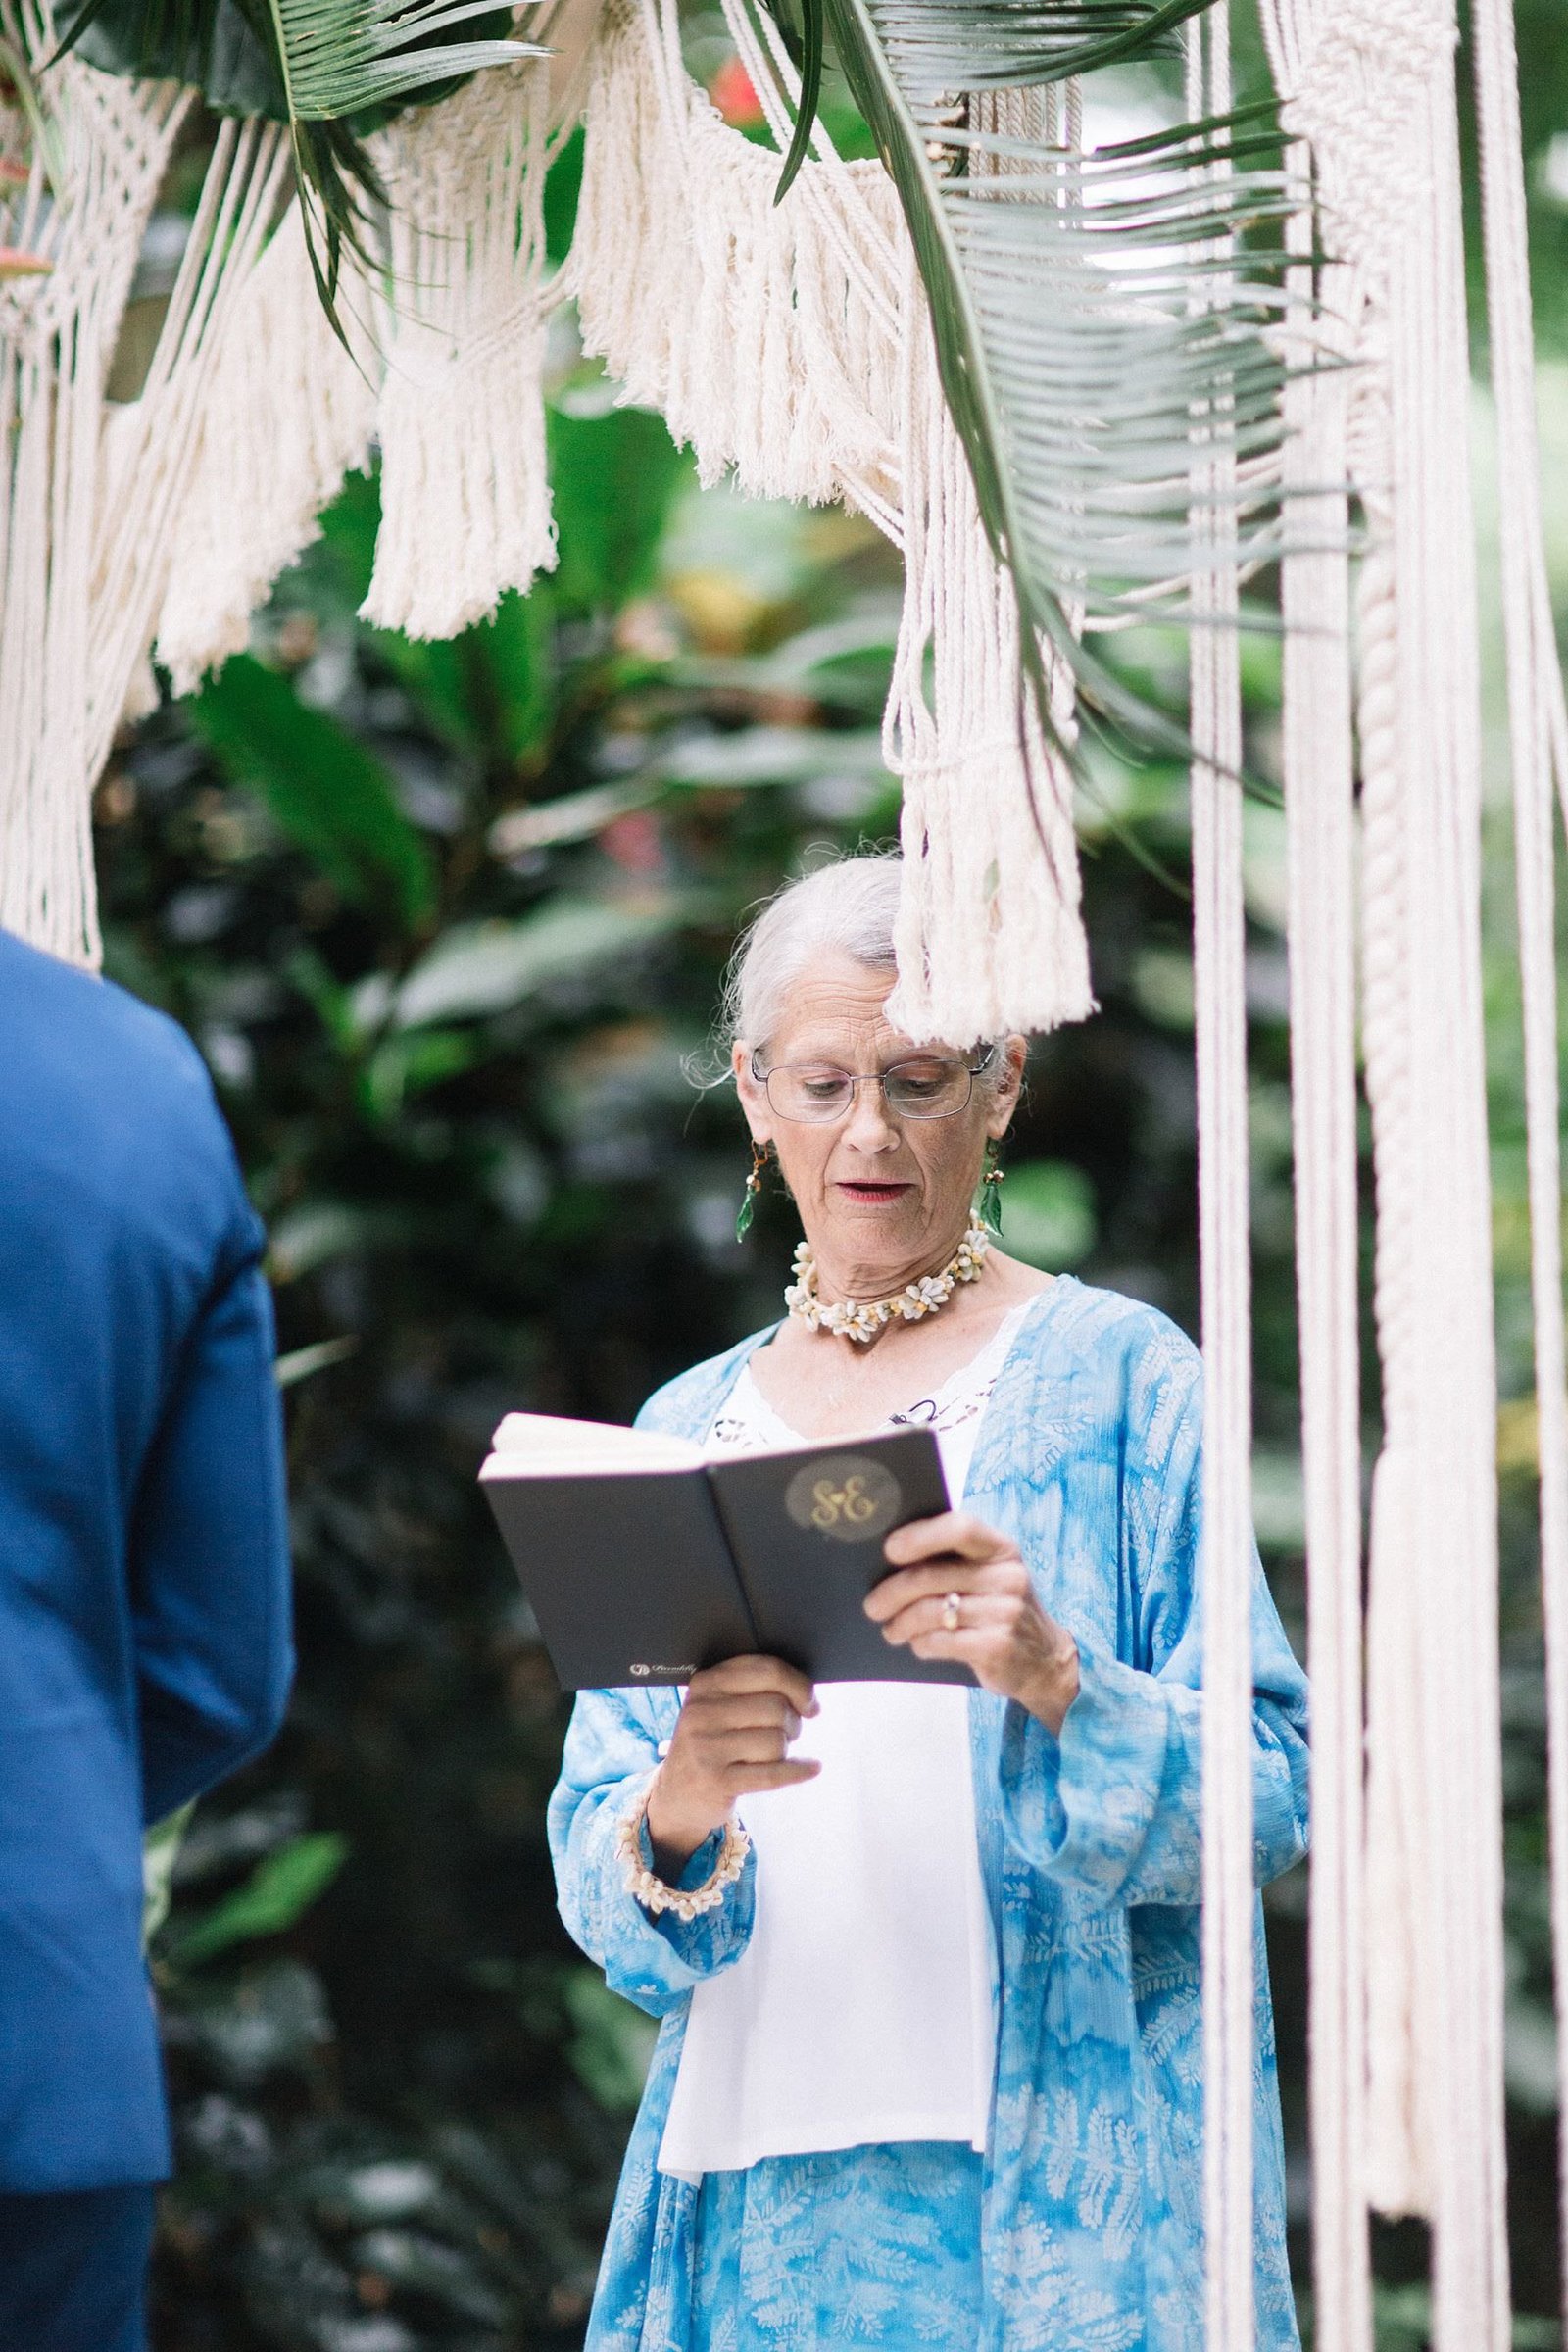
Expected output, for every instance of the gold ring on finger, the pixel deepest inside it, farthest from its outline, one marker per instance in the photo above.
(949, 1612)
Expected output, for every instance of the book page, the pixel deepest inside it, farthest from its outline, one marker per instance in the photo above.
(549, 1446)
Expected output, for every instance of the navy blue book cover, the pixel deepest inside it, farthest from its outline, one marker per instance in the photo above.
(643, 1576)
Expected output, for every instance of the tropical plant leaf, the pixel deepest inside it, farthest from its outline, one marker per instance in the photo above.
(160, 1848)
(210, 44)
(326, 790)
(327, 68)
(278, 1891)
(1072, 353)
(339, 58)
(475, 970)
(980, 44)
(303, 1363)
(614, 473)
(807, 55)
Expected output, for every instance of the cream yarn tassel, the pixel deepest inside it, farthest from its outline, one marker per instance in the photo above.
(791, 345)
(989, 934)
(89, 493)
(286, 414)
(1370, 84)
(1319, 757)
(1219, 971)
(465, 484)
(1538, 726)
(735, 317)
(57, 339)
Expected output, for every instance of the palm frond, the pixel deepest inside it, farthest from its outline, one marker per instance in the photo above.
(328, 69)
(212, 45)
(346, 57)
(343, 59)
(810, 61)
(980, 45)
(1073, 355)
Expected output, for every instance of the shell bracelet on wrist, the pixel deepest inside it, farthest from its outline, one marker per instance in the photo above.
(863, 1320)
(654, 1894)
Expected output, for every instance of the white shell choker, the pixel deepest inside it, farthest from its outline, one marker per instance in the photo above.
(863, 1320)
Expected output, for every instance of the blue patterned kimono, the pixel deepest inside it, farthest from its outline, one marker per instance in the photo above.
(1081, 2228)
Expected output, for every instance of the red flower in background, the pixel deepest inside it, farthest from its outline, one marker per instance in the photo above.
(735, 96)
(634, 842)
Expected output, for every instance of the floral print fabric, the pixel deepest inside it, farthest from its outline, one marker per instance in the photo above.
(880, 2246)
(1088, 2219)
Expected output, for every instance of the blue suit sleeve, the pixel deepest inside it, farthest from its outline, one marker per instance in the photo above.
(1114, 1804)
(208, 1554)
(610, 1755)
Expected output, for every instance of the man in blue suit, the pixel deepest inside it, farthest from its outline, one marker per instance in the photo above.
(144, 1609)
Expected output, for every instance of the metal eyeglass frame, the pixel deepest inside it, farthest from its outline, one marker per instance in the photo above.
(972, 1070)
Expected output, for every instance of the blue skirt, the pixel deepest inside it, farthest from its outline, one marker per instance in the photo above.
(877, 2245)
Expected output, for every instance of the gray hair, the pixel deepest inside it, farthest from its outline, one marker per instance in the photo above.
(847, 909)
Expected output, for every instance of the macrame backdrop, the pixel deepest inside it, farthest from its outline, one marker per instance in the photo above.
(90, 495)
(1405, 1945)
(790, 346)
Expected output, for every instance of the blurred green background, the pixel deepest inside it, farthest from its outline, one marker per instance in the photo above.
(448, 923)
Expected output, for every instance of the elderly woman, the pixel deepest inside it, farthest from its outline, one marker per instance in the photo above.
(928, 1958)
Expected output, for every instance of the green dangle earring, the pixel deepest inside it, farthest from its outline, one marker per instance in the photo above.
(991, 1182)
(754, 1184)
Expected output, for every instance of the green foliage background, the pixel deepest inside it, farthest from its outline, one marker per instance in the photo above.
(448, 922)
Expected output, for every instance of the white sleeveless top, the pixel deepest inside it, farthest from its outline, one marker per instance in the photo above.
(862, 2008)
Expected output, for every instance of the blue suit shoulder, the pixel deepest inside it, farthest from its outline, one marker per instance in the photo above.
(72, 1028)
(145, 1643)
(106, 1111)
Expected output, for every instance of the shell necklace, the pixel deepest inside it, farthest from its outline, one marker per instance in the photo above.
(861, 1319)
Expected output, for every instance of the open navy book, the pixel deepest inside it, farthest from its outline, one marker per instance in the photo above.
(645, 1559)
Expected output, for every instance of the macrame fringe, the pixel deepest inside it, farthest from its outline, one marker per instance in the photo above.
(1397, 2156)
(1219, 977)
(1370, 84)
(790, 345)
(89, 492)
(1319, 763)
(1538, 727)
(990, 936)
(736, 318)
(56, 343)
(287, 413)
(464, 479)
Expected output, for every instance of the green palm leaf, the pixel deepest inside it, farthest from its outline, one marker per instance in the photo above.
(338, 59)
(1072, 353)
(345, 57)
(328, 69)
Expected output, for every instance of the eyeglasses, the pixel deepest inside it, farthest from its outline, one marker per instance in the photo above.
(928, 1087)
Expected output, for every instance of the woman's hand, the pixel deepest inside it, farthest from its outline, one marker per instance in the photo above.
(730, 1738)
(1002, 1634)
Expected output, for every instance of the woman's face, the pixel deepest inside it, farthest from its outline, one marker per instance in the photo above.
(882, 1200)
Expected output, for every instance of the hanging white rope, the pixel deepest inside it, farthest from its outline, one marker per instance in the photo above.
(1535, 716)
(1371, 85)
(735, 317)
(88, 493)
(56, 341)
(988, 927)
(1219, 969)
(790, 345)
(1318, 765)
(272, 447)
(465, 482)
